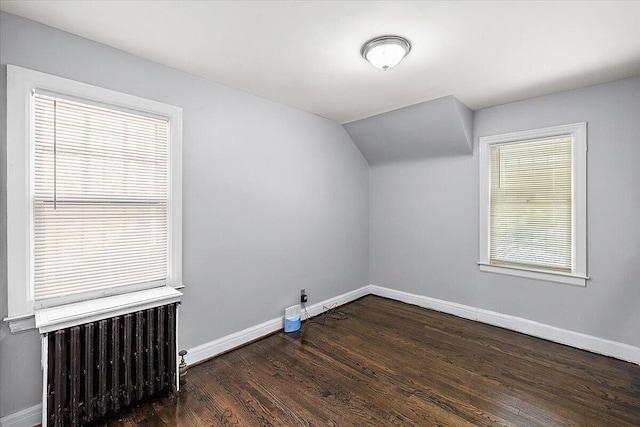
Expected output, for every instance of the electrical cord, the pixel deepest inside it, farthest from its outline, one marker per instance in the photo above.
(327, 313)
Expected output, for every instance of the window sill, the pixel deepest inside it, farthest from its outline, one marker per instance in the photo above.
(21, 323)
(568, 279)
(64, 316)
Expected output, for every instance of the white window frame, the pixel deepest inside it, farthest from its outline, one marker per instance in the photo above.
(21, 84)
(578, 133)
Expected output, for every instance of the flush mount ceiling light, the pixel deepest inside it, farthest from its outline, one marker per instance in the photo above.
(385, 52)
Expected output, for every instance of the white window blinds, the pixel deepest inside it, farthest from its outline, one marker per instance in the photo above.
(100, 208)
(530, 204)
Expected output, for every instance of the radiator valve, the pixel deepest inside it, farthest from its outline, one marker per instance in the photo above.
(182, 368)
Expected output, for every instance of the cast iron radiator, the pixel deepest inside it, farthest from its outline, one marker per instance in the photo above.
(98, 368)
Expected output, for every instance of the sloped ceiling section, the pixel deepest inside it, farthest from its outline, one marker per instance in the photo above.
(441, 127)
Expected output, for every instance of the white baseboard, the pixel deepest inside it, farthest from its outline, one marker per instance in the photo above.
(27, 417)
(318, 308)
(456, 309)
(226, 343)
(33, 415)
(551, 333)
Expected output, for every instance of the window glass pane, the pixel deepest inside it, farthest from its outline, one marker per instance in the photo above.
(100, 198)
(531, 206)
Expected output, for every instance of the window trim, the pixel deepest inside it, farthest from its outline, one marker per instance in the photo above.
(21, 83)
(578, 133)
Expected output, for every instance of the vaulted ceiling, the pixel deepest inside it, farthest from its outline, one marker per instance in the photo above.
(307, 53)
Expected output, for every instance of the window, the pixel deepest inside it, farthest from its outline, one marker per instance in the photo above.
(94, 192)
(533, 204)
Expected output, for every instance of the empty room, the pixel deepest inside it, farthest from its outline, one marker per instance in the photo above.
(319, 213)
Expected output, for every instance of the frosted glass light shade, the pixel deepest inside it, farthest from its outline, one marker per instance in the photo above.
(386, 52)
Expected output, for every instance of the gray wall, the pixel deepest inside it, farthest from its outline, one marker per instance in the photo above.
(437, 128)
(424, 219)
(274, 199)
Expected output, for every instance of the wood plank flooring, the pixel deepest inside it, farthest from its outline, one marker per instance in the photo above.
(393, 364)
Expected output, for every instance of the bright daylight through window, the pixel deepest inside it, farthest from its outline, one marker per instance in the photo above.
(100, 202)
(533, 204)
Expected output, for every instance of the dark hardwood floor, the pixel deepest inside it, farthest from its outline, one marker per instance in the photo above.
(393, 364)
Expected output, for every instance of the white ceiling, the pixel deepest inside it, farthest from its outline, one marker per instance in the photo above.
(307, 53)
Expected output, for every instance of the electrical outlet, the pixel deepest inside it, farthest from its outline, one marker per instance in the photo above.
(303, 295)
